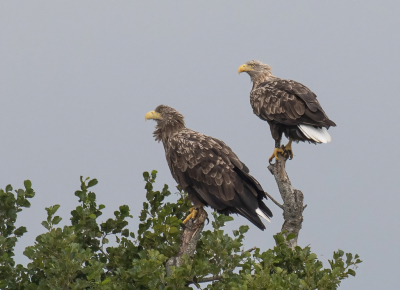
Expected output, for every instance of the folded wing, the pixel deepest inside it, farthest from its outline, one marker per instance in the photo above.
(209, 170)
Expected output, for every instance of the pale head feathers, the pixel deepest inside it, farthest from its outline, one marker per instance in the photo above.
(259, 66)
(260, 72)
(172, 121)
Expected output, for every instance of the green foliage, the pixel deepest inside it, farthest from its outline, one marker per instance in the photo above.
(79, 256)
(11, 204)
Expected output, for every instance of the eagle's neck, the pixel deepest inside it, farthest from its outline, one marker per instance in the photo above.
(260, 77)
(164, 131)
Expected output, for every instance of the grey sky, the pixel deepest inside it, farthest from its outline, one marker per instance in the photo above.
(77, 77)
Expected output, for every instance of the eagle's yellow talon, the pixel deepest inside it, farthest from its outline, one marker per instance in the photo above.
(275, 154)
(288, 148)
(192, 215)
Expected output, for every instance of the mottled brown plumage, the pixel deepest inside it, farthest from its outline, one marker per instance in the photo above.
(207, 169)
(289, 107)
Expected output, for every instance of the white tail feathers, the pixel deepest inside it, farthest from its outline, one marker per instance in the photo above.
(319, 135)
(261, 214)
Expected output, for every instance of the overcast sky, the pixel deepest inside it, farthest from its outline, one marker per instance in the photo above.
(77, 77)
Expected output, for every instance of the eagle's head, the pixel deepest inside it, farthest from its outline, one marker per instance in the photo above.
(256, 69)
(168, 121)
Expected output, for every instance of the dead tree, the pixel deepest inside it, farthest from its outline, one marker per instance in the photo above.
(292, 200)
(189, 237)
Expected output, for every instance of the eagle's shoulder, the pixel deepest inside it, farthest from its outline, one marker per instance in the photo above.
(204, 158)
(279, 93)
(270, 102)
(294, 88)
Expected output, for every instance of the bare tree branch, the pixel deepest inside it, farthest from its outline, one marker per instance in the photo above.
(277, 203)
(189, 238)
(250, 250)
(292, 200)
(210, 279)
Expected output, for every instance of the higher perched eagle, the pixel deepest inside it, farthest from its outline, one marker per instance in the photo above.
(288, 106)
(208, 170)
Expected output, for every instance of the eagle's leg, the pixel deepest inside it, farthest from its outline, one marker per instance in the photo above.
(288, 148)
(192, 215)
(277, 150)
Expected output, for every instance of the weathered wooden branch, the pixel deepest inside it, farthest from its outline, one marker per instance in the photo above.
(292, 200)
(273, 200)
(189, 237)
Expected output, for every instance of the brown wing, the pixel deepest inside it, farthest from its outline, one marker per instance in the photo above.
(209, 169)
(288, 102)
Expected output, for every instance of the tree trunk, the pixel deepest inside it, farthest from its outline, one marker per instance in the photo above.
(292, 200)
(189, 237)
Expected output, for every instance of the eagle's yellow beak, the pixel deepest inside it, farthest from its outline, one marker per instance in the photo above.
(153, 115)
(244, 68)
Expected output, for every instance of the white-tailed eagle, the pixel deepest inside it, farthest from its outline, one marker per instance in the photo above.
(208, 170)
(289, 107)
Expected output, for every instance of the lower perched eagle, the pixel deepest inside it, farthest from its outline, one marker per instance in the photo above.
(288, 106)
(208, 170)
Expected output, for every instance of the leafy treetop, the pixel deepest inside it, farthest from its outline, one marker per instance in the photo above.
(79, 256)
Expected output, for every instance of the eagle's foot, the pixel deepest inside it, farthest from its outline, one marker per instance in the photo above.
(275, 154)
(192, 215)
(288, 149)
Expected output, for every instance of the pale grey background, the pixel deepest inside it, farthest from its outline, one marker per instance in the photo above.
(77, 77)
